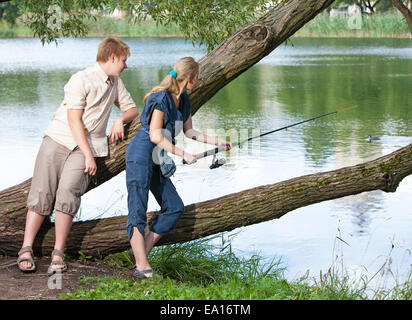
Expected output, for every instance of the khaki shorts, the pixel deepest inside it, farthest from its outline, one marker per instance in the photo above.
(59, 180)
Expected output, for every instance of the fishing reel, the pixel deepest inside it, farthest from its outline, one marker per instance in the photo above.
(217, 162)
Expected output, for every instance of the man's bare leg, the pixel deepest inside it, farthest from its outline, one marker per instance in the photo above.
(63, 224)
(33, 224)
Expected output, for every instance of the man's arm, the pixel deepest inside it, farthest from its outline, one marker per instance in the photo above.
(125, 103)
(74, 117)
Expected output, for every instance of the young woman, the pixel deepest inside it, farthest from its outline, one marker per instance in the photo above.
(166, 111)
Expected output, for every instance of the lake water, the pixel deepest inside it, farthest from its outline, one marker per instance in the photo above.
(303, 79)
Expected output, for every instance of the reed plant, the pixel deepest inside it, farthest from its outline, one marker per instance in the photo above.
(375, 26)
(102, 26)
(19, 30)
(126, 27)
(202, 269)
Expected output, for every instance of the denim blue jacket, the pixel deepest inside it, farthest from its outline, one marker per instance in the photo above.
(173, 118)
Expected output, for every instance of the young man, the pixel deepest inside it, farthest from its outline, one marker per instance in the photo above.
(76, 135)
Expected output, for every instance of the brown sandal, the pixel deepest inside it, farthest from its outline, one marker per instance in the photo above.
(28, 259)
(59, 253)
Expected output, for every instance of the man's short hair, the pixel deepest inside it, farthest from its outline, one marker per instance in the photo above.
(109, 46)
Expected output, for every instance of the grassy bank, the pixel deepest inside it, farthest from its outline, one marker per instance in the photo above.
(200, 270)
(107, 26)
(103, 26)
(377, 25)
(374, 26)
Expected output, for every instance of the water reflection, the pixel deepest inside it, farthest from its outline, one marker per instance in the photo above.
(314, 77)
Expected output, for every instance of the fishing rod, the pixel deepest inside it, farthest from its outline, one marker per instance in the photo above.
(216, 163)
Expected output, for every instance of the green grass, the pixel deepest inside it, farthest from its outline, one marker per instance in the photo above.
(200, 270)
(102, 26)
(17, 31)
(105, 26)
(377, 25)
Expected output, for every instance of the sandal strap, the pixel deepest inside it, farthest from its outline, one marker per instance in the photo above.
(141, 274)
(146, 271)
(59, 253)
(55, 263)
(25, 249)
(21, 259)
(142, 271)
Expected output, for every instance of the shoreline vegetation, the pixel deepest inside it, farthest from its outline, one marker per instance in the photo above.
(208, 269)
(388, 25)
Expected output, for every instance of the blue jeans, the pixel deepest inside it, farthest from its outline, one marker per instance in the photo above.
(143, 175)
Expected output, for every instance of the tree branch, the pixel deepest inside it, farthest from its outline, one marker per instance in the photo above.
(398, 4)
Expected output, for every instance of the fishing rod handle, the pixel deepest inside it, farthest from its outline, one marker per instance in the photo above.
(210, 152)
(207, 153)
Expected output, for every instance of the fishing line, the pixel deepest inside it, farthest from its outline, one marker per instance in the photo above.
(216, 163)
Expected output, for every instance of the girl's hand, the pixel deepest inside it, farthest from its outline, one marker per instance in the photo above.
(189, 158)
(227, 144)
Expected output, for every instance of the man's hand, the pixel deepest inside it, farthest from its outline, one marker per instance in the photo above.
(91, 166)
(117, 130)
(74, 117)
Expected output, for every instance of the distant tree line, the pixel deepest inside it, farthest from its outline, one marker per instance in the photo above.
(203, 22)
(9, 11)
(379, 6)
(366, 6)
(371, 7)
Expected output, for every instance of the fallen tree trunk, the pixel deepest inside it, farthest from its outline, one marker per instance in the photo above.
(104, 236)
(234, 56)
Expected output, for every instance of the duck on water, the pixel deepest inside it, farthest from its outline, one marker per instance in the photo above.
(371, 138)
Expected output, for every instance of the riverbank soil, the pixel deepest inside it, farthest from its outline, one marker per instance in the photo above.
(16, 285)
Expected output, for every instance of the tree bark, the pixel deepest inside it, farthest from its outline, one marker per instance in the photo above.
(398, 4)
(234, 56)
(104, 236)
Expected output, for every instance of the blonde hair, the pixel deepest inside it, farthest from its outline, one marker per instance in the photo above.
(109, 46)
(185, 67)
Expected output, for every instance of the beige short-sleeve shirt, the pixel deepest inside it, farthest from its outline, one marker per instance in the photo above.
(95, 92)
